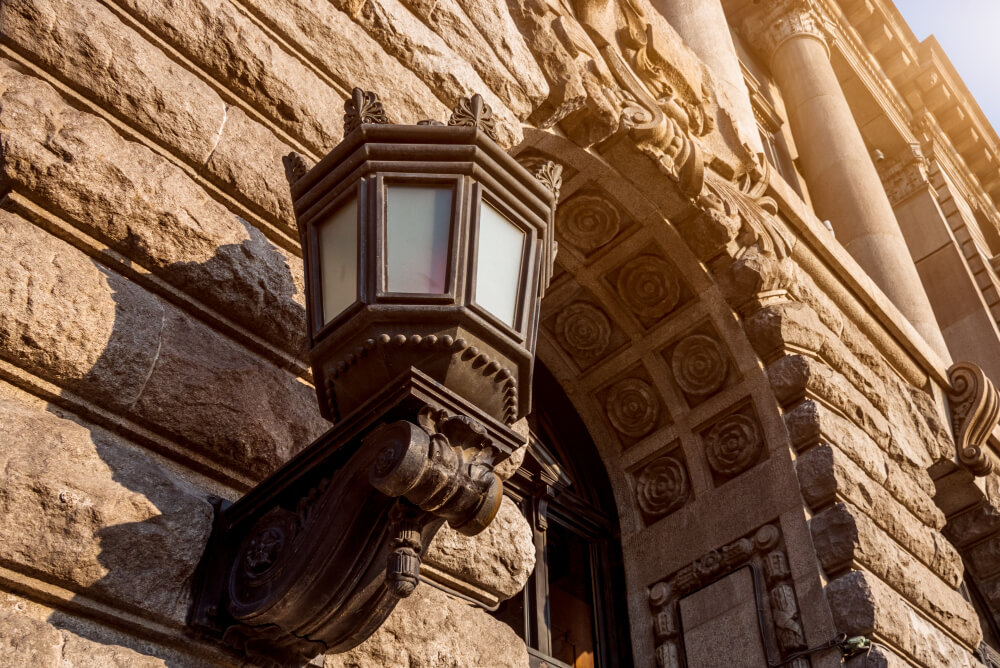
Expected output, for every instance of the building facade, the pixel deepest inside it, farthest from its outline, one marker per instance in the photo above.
(764, 406)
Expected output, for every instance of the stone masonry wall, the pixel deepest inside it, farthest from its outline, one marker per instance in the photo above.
(152, 322)
(152, 326)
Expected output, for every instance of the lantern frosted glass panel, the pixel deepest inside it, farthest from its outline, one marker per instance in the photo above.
(418, 229)
(338, 260)
(498, 265)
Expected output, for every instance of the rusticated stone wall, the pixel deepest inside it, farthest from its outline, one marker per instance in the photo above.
(152, 322)
(754, 404)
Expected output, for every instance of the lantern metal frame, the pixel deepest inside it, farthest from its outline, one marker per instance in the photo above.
(422, 389)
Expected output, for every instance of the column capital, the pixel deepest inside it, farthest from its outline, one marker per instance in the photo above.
(905, 175)
(775, 22)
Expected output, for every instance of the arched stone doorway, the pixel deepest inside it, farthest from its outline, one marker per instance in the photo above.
(643, 341)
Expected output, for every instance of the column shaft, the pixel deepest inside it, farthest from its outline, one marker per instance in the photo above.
(844, 186)
(703, 26)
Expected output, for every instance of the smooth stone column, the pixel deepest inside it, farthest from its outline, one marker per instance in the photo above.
(703, 27)
(843, 184)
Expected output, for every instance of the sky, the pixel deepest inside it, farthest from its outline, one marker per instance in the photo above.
(969, 32)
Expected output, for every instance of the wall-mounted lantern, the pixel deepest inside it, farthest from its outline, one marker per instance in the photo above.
(427, 249)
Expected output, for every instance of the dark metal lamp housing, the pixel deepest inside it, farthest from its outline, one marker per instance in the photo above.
(427, 249)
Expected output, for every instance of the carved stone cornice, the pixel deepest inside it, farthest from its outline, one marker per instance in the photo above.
(778, 21)
(975, 412)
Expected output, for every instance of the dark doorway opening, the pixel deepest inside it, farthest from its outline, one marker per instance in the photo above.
(572, 612)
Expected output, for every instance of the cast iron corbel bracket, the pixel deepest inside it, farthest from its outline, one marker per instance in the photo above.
(315, 558)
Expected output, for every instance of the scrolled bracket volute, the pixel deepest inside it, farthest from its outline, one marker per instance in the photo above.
(315, 558)
(975, 413)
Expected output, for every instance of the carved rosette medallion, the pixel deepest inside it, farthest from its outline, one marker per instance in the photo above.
(699, 365)
(763, 554)
(733, 445)
(260, 556)
(632, 407)
(975, 413)
(662, 487)
(648, 285)
(588, 221)
(583, 330)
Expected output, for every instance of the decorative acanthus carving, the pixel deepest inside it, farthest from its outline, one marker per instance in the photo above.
(583, 330)
(291, 575)
(363, 108)
(780, 20)
(473, 112)
(699, 365)
(759, 552)
(755, 213)
(975, 412)
(588, 221)
(661, 487)
(733, 445)
(649, 286)
(633, 407)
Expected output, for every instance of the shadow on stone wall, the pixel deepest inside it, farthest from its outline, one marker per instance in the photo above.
(142, 520)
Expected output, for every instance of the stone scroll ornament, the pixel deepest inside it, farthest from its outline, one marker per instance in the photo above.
(760, 551)
(975, 413)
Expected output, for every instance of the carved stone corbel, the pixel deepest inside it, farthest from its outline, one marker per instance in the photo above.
(975, 412)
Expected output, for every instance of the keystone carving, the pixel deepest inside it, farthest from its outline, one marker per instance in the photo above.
(975, 412)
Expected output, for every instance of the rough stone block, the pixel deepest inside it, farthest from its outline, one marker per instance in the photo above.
(222, 40)
(34, 635)
(810, 423)
(64, 318)
(844, 537)
(451, 22)
(862, 604)
(248, 158)
(499, 559)
(226, 401)
(404, 36)
(796, 376)
(137, 202)
(85, 45)
(94, 514)
(343, 48)
(71, 321)
(431, 628)
(826, 474)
